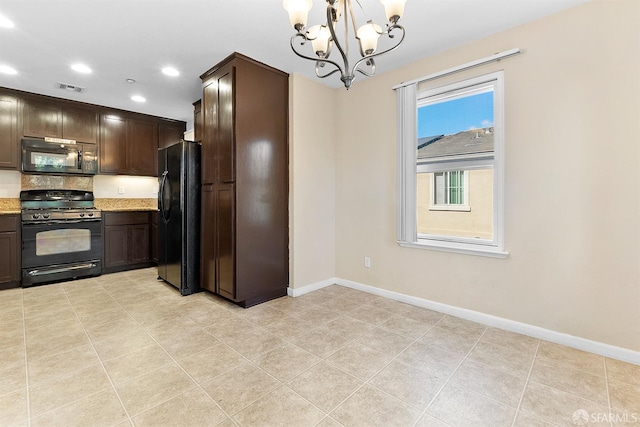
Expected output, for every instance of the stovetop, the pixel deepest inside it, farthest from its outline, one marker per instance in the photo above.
(61, 205)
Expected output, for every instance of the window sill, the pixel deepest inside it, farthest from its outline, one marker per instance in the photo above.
(458, 248)
(457, 208)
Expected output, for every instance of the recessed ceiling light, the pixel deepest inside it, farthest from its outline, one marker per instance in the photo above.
(5, 69)
(5, 22)
(130, 81)
(81, 68)
(170, 71)
(138, 98)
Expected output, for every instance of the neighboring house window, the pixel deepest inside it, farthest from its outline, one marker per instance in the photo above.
(449, 190)
(451, 166)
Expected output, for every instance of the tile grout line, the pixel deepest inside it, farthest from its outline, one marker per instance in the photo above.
(26, 359)
(366, 382)
(526, 383)
(104, 369)
(197, 385)
(606, 383)
(435, 396)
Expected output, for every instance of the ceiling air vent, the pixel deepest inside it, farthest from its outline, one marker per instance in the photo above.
(69, 87)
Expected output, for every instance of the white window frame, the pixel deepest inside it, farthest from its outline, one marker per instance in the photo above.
(408, 101)
(461, 207)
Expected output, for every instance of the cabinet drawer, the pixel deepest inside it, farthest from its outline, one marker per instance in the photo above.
(9, 223)
(126, 218)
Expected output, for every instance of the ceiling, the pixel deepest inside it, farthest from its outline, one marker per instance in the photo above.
(134, 39)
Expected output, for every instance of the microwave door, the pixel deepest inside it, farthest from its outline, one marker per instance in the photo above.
(52, 159)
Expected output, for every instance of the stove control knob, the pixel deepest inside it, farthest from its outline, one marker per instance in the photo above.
(45, 216)
(90, 214)
(35, 216)
(81, 214)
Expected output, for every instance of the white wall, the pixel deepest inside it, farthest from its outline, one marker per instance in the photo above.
(572, 216)
(10, 184)
(135, 187)
(311, 182)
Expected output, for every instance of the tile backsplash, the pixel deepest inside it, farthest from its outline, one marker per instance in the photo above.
(56, 182)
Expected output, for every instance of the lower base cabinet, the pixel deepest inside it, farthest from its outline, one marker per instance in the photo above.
(127, 241)
(10, 250)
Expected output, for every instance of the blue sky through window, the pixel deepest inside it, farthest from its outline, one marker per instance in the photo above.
(450, 117)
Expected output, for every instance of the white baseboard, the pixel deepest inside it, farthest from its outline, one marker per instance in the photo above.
(296, 292)
(596, 347)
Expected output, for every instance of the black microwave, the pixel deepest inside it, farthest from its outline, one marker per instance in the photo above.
(59, 156)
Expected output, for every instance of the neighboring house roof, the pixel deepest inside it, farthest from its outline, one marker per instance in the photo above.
(467, 143)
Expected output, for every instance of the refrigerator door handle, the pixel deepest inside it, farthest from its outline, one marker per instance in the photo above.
(163, 209)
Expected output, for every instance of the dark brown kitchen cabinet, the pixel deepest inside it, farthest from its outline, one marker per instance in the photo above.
(10, 250)
(169, 133)
(126, 241)
(155, 249)
(113, 144)
(244, 253)
(41, 118)
(142, 148)
(197, 120)
(80, 124)
(128, 146)
(9, 153)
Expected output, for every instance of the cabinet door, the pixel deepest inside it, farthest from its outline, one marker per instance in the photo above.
(210, 120)
(8, 264)
(80, 124)
(207, 236)
(115, 246)
(225, 241)
(138, 249)
(142, 147)
(197, 120)
(9, 142)
(113, 144)
(155, 242)
(169, 134)
(226, 122)
(41, 118)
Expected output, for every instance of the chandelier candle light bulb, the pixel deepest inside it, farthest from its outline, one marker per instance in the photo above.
(323, 37)
(298, 12)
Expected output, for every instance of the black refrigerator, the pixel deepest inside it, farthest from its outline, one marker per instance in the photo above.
(179, 224)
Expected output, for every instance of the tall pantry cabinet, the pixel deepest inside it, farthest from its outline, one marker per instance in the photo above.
(244, 222)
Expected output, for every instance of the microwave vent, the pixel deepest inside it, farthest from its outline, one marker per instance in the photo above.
(72, 88)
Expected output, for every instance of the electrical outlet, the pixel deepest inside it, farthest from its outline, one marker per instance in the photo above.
(367, 262)
(120, 189)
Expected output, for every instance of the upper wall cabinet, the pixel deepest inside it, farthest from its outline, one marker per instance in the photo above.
(128, 146)
(128, 141)
(169, 133)
(80, 124)
(8, 132)
(41, 118)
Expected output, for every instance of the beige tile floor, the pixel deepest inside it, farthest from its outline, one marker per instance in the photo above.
(124, 349)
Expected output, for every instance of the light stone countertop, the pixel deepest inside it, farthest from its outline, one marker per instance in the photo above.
(117, 205)
(9, 206)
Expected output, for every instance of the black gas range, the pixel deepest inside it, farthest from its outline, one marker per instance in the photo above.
(61, 236)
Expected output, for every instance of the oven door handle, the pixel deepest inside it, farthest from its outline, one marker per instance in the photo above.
(53, 270)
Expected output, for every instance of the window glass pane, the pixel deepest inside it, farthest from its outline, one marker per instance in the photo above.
(455, 127)
(473, 219)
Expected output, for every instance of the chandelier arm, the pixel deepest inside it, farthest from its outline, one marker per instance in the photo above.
(311, 58)
(319, 65)
(373, 55)
(371, 63)
(345, 59)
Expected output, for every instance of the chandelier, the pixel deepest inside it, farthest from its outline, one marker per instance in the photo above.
(323, 37)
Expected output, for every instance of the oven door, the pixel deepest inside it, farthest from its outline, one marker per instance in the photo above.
(58, 250)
